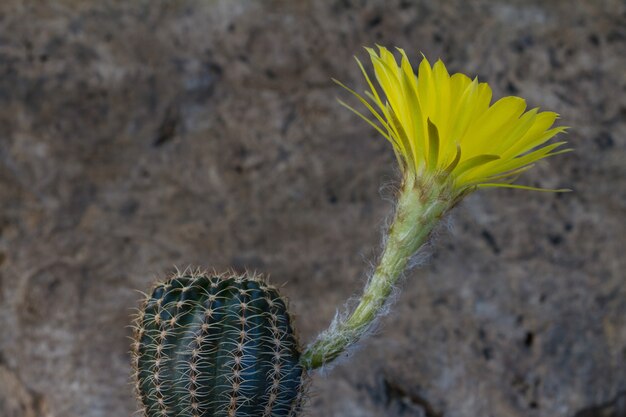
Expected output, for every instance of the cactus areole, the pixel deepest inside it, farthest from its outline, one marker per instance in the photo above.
(213, 346)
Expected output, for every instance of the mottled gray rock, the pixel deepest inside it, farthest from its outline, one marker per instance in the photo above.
(135, 136)
(15, 399)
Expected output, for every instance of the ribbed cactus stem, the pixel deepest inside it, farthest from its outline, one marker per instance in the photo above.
(421, 204)
(216, 346)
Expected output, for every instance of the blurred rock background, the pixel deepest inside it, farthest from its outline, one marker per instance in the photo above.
(139, 135)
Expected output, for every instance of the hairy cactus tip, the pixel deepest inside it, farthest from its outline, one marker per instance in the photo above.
(449, 141)
(216, 345)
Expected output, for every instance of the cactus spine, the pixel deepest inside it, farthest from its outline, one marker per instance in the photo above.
(216, 346)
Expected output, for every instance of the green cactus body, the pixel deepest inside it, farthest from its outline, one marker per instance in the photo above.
(216, 346)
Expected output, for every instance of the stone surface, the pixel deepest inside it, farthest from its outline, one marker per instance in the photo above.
(135, 136)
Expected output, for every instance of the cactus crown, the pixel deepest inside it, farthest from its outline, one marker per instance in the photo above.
(216, 345)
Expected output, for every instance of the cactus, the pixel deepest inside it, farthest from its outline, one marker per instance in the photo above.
(224, 346)
(210, 346)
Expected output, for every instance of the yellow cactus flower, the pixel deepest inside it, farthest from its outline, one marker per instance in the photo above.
(445, 126)
(449, 140)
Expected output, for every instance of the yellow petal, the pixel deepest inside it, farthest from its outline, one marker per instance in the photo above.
(493, 123)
